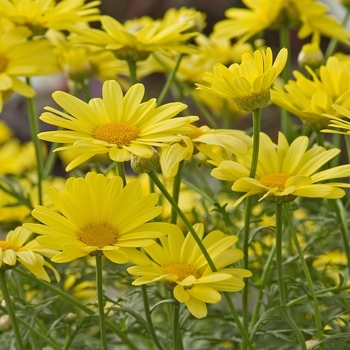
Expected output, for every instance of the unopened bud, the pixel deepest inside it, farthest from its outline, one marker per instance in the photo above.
(70, 318)
(311, 56)
(5, 323)
(145, 165)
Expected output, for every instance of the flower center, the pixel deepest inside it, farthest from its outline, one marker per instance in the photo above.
(275, 180)
(117, 133)
(197, 132)
(99, 235)
(7, 246)
(181, 270)
(3, 63)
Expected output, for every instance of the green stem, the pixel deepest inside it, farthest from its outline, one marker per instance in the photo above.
(169, 80)
(121, 172)
(199, 242)
(282, 289)
(263, 280)
(189, 91)
(101, 310)
(34, 131)
(149, 318)
(85, 90)
(247, 214)
(309, 281)
(177, 341)
(10, 309)
(132, 72)
(333, 43)
(344, 228)
(176, 192)
(75, 302)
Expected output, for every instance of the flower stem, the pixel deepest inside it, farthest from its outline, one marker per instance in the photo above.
(75, 302)
(177, 341)
(169, 80)
(101, 302)
(121, 172)
(132, 71)
(282, 289)
(149, 318)
(176, 192)
(317, 313)
(200, 244)
(34, 131)
(10, 309)
(247, 214)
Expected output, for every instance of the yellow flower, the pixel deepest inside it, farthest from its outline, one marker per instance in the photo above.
(96, 215)
(310, 98)
(179, 263)
(285, 172)
(309, 17)
(247, 84)
(234, 141)
(40, 15)
(21, 58)
(16, 248)
(81, 63)
(116, 124)
(136, 39)
(338, 123)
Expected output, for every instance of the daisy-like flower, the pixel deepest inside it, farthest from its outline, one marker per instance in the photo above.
(234, 141)
(136, 39)
(17, 248)
(308, 98)
(116, 124)
(40, 15)
(81, 64)
(178, 262)
(96, 215)
(21, 58)
(286, 172)
(247, 84)
(309, 17)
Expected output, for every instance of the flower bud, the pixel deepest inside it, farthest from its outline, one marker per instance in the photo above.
(5, 323)
(310, 55)
(70, 318)
(145, 165)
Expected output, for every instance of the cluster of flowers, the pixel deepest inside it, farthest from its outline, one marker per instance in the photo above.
(101, 214)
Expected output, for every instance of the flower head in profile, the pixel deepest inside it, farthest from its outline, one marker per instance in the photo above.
(21, 58)
(247, 84)
(234, 141)
(286, 172)
(39, 16)
(97, 215)
(81, 63)
(136, 39)
(338, 125)
(18, 248)
(309, 17)
(179, 262)
(309, 98)
(116, 124)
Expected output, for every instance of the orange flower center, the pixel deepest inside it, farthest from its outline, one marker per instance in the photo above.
(117, 133)
(7, 246)
(3, 63)
(99, 235)
(181, 270)
(275, 180)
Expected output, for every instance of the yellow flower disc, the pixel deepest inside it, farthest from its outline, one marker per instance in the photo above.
(7, 246)
(197, 132)
(275, 180)
(181, 270)
(98, 235)
(117, 133)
